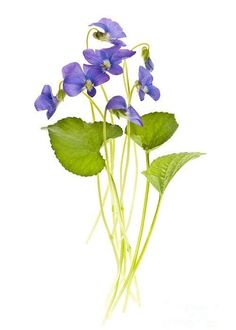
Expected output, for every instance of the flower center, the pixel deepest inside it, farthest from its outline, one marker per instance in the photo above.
(89, 85)
(145, 89)
(106, 65)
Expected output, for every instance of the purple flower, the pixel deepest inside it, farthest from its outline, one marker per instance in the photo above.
(118, 105)
(107, 59)
(112, 31)
(147, 60)
(76, 79)
(145, 85)
(46, 101)
(149, 64)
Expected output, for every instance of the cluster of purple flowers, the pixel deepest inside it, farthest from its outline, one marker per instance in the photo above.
(101, 64)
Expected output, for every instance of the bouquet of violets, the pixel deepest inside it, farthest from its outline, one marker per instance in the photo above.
(87, 149)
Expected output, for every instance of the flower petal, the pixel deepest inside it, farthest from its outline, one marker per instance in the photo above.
(154, 92)
(116, 103)
(149, 65)
(113, 28)
(145, 77)
(43, 103)
(72, 68)
(115, 69)
(47, 90)
(92, 57)
(50, 112)
(141, 94)
(92, 92)
(73, 85)
(117, 42)
(134, 116)
(97, 76)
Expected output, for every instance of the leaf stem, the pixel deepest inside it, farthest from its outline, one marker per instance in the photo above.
(130, 275)
(141, 44)
(88, 35)
(105, 221)
(150, 232)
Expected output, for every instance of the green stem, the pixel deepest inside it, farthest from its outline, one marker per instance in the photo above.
(134, 189)
(94, 104)
(98, 216)
(126, 165)
(88, 35)
(141, 44)
(126, 71)
(149, 233)
(122, 162)
(113, 185)
(105, 221)
(115, 300)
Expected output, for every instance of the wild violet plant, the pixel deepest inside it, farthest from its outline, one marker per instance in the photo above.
(78, 144)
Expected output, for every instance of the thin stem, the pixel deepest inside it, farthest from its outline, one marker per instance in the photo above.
(122, 162)
(105, 221)
(126, 71)
(127, 164)
(88, 35)
(115, 300)
(135, 187)
(94, 104)
(98, 216)
(104, 93)
(124, 81)
(111, 180)
(150, 232)
(141, 44)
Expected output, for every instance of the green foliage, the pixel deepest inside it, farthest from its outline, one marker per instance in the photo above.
(157, 128)
(163, 169)
(77, 144)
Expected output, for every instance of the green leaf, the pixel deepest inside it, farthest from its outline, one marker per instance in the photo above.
(77, 144)
(157, 128)
(163, 169)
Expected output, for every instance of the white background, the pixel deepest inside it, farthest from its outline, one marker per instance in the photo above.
(49, 277)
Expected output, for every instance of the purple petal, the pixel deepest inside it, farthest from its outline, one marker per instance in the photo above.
(73, 85)
(145, 77)
(96, 76)
(116, 103)
(47, 90)
(117, 42)
(134, 116)
(115, 69)
(92, 92)
(92, 57)
(121, 54)
(72, 68)
(113, 28)
(46, 101)
(149, 65)
(141, 94)
(50, 112)
(126, 53)
(87, 67)
(43, 103)
(154, 92)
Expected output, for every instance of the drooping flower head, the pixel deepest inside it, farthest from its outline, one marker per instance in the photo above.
(147, 60)
(46, 101)
(107, 59)
(112, 31)
(117, 104)
(145, 85)
(76, 80)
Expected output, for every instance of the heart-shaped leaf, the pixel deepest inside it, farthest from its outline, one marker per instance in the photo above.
(163, 169)
(77, 144)
(157, 128)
